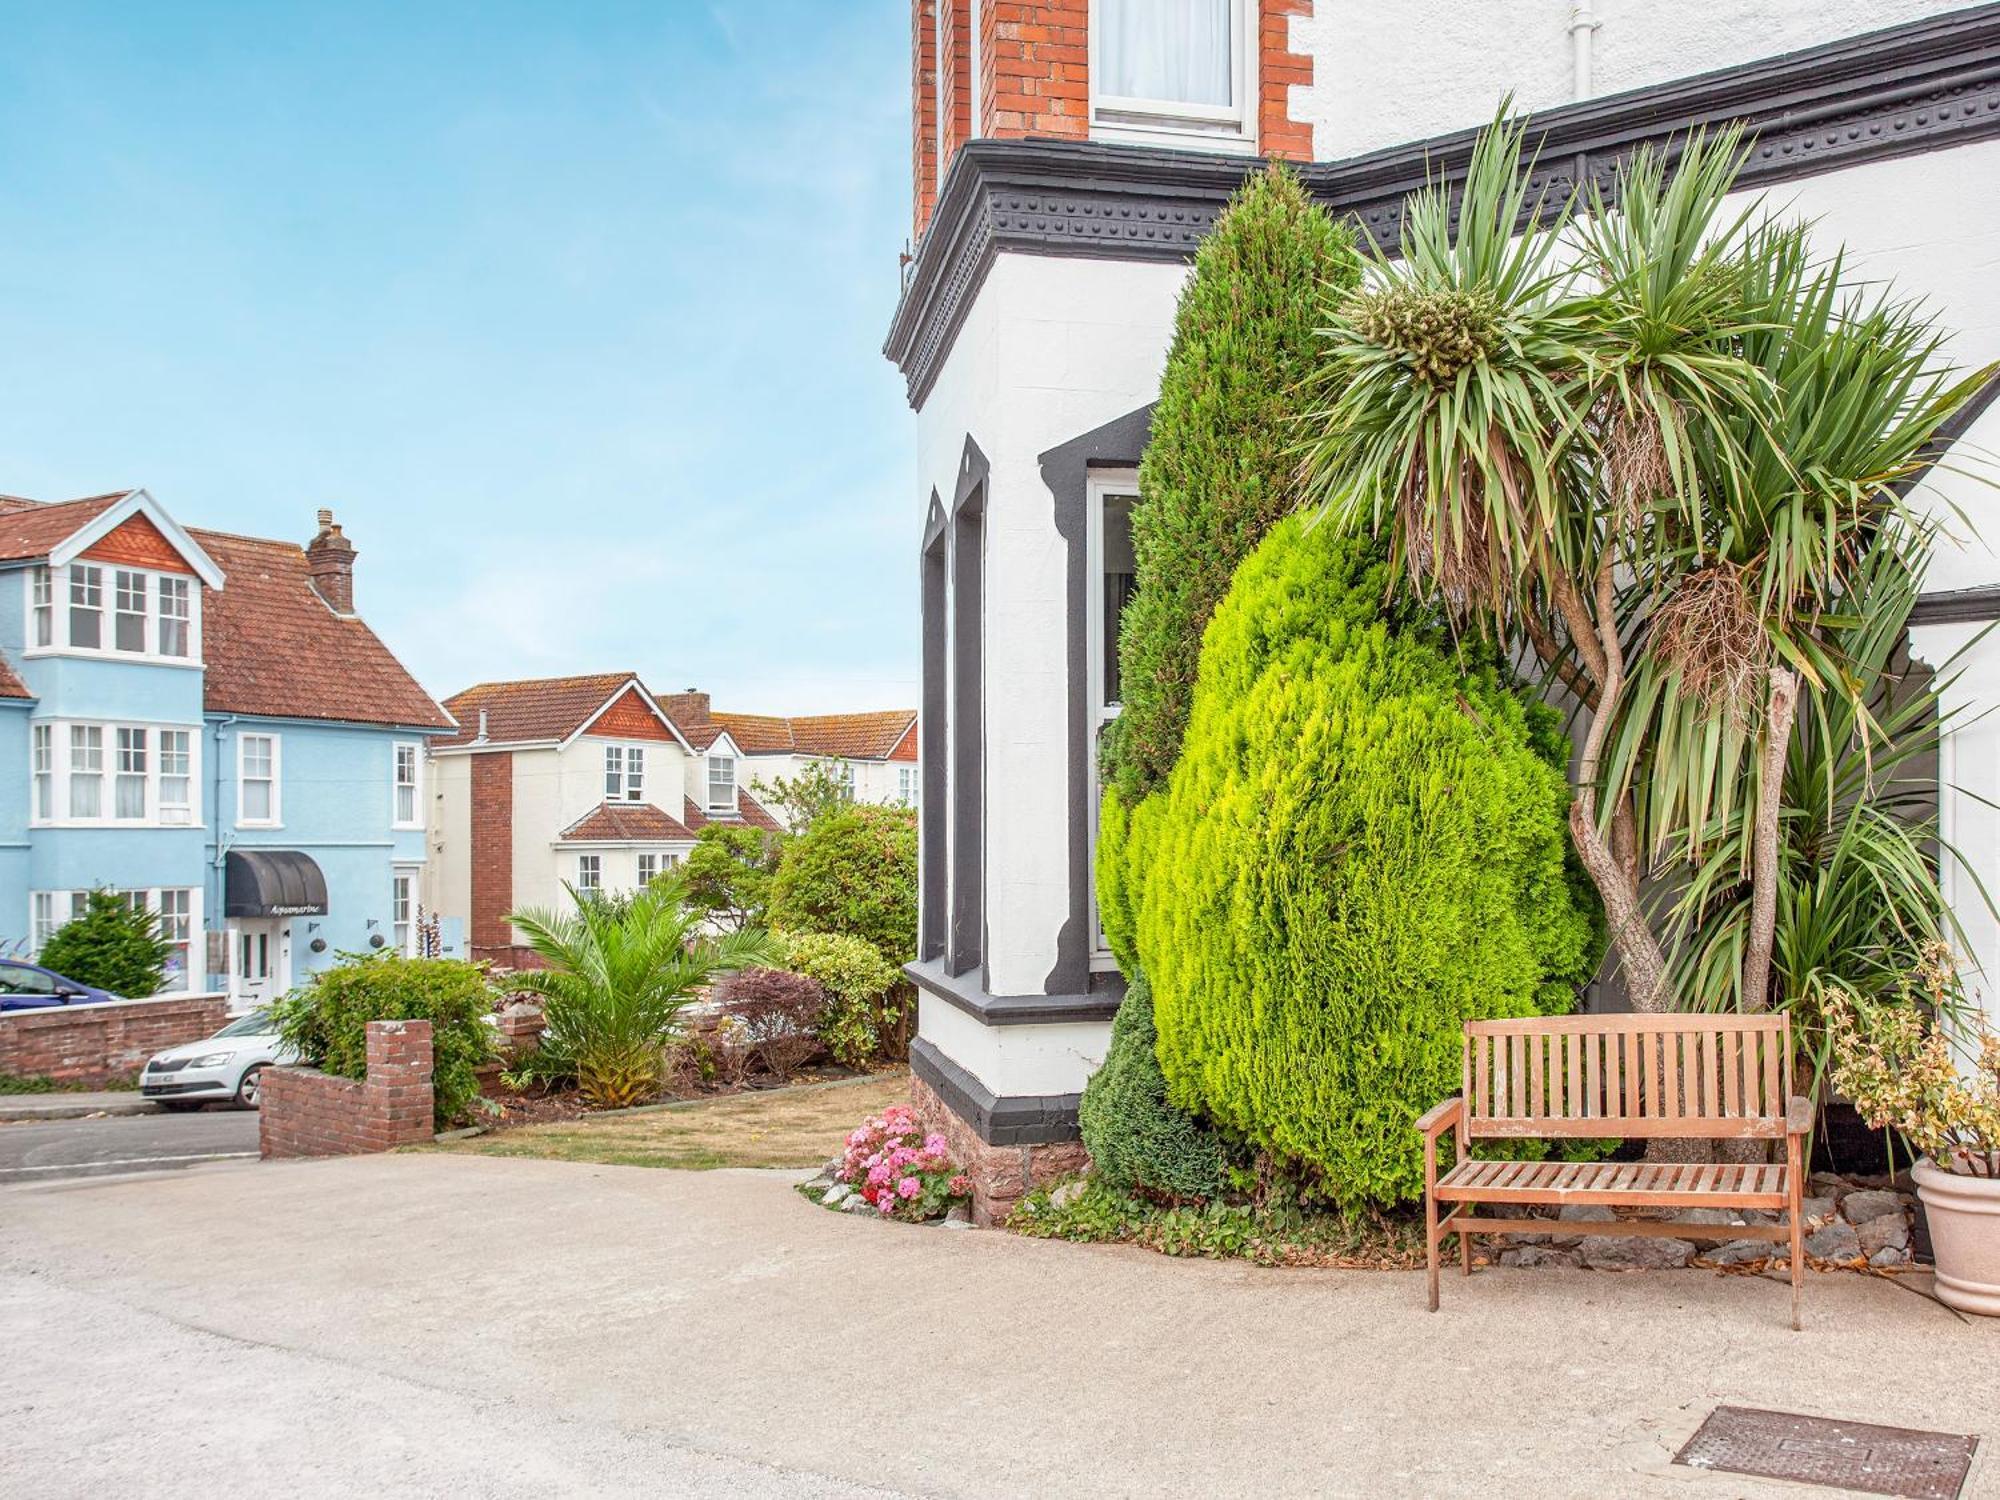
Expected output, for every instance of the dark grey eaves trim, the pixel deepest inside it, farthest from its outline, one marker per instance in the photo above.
(1957, 607)
(1098, 1003)
(1012, 1120)
(1922, 86)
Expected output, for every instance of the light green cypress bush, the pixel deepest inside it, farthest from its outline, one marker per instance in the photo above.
(1218, 468)
(1137, 1140)
(1362, 847)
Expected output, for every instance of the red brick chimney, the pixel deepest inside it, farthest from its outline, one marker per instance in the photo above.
(330, 560)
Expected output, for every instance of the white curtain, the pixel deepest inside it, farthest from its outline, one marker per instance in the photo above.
(1178, 50)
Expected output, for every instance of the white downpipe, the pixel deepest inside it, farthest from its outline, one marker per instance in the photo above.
(1583, 24)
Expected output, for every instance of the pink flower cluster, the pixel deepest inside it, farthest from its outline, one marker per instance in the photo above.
(902, 1172)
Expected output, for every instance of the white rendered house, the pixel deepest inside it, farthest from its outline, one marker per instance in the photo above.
(1057, 204)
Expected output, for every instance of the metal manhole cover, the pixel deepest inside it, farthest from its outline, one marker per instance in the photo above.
(1842, 1455)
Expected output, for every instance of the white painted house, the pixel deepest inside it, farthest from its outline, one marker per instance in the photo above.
(1068, 157)
(595, 783)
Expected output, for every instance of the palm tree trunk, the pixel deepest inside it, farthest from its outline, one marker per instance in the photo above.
(1780, 710)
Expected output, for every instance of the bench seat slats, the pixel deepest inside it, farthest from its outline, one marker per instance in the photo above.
(1610, 1182)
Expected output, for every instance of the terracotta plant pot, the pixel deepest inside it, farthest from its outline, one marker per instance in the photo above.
(1964, 1214)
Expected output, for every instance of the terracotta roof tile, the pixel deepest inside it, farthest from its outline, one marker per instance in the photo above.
(11, 685)
(758, 734)
(749, 810)
(868, 736)
(625, 822)
(272, 647)
(542, 708)
(29, 529)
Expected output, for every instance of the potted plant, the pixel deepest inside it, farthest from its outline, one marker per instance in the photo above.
(1901, 1070)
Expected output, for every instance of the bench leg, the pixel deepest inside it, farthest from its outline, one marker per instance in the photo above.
(1798, 1229)
(1464, 1244)
(1431, 1247)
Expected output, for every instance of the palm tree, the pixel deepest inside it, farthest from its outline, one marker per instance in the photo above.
(1649, 443)
(618, 976)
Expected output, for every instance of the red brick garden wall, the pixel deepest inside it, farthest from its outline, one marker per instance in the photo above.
(99, 1044)
(305, 1112)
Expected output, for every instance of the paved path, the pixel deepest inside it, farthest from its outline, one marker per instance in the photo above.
(432, 1324)
(33, 1151)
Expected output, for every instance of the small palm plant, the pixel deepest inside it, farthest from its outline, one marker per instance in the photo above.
(619, 974)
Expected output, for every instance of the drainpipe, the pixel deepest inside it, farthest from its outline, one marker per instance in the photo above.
(1583, 24)
(213, 909)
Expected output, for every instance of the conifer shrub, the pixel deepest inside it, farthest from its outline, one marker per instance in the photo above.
(1361, 847)
(1138, 1141)
(853, 871)
(112, 945)
(1218, 468)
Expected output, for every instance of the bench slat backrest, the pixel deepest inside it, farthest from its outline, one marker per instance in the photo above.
(1636, 1075)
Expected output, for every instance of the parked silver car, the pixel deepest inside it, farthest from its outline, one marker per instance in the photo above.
(224, 1066)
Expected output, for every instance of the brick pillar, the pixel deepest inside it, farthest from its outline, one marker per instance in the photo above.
(1278, 70)
(398, 1095)
(923, 110)
(955, 79)
(492, 852)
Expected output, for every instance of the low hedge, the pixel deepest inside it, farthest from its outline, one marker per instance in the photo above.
(1139, 1142)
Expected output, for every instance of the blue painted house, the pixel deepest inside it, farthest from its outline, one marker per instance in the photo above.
(203, 723)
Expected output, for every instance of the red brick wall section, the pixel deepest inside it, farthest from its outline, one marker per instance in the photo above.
(1278, 69)
(1001, 1175)
(923, 110)
(305, 1112)
(492, 852)
(100, 1044)
(1039, 53)
(955, 78)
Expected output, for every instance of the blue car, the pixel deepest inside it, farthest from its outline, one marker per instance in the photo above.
(26, 986)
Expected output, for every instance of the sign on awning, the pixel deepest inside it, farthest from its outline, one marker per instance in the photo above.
(272, 883)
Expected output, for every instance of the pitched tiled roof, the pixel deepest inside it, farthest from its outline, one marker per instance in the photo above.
(11, 685)
(625, 822)
(273, 648)
(28, 529)
(748, 809)
(853, 736)
(542, 708)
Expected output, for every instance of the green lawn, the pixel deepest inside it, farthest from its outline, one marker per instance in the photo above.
(798, 1127)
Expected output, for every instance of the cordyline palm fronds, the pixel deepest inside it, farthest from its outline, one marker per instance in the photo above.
(1652, 441)
(618, 976)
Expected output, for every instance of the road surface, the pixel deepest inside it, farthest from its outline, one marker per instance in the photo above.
(43, 1150)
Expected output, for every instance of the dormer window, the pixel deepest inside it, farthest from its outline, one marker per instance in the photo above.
(721, 783)
(44, 608)
(1167, 70)
(86, 606)
(113, 611)
(624, 773)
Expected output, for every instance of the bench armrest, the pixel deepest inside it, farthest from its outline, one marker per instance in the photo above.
(1798, 1115)
(1440, 1117)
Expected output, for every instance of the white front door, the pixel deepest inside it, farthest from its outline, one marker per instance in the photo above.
(260, 961)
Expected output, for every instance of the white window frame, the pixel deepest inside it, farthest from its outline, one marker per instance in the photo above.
(163, 585)
(177, 813)
(42, 773)
(127, 583)
(129, 743)
(44, 922)
(277, 817)
(86, 579)
(78, 750)
(909, 785)
(51, 775)
(709, 764)
(415, 785)
(1168, 122)
(1104, 484)
(49, 606)
(403, 893)
(589, 873)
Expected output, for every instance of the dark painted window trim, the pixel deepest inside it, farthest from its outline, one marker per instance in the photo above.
(1923, 86)
(1097, 1002)
(1957, 607)
(934, 808)
(965, 940)
(1066, 471)
(998, 1120)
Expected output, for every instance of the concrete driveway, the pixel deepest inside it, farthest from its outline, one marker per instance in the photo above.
(449, 1325)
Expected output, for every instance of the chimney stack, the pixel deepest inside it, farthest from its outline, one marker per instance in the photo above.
(330, 560)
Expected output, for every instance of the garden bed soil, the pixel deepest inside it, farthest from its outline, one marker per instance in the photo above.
(518, 1108)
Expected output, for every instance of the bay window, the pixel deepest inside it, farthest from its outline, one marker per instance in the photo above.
(128, 612)
(44, 736)
(176, 616)
(1174, 69)
(129, 788)
(1111, 582)
(150, 770)
(151, 614)
(86, 771)
(43, 597)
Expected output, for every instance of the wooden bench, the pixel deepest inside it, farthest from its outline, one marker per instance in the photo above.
(1638, 1076)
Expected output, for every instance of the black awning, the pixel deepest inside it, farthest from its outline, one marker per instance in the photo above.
(272, 883)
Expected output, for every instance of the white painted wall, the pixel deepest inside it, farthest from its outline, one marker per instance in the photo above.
(1385, 74)
(1051, 348)
(1015, 1060)
(445, 886)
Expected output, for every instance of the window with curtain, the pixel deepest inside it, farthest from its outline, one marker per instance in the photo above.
(1172, 64)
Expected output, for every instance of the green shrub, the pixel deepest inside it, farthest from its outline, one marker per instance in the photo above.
(111, 945)
(1217, 471)
(853, 871)
(1137, 1140)
(728, 873)
(1362, 847)
(326, 1019)
(862, 989)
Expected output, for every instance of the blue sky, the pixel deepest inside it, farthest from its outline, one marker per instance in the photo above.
(571, 312)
